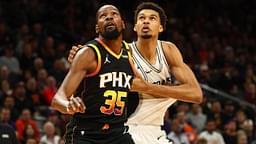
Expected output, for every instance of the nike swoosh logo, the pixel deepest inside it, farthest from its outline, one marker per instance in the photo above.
(148, 71)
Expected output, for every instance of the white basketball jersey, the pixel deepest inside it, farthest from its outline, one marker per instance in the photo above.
(151, 110)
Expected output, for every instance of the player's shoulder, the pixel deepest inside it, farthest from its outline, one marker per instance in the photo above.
(167, 44)
(84, 50)
(84, 59)
(85, 54)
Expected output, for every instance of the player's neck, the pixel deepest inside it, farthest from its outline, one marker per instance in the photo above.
(114, 45)
(147, 48)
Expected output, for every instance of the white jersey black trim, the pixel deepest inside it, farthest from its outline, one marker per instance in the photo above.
(158, 70)
(139, 66)
(162, 51)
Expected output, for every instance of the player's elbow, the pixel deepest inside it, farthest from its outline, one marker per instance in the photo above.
(198, 96)
(54, 103)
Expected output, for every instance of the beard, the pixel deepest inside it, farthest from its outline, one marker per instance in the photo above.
(146, 36)
(111, 34)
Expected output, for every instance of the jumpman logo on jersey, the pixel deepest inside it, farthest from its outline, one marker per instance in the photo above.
(125, 56)
(107, 60)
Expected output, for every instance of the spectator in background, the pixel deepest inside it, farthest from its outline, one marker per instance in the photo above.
(7, 134)
(54, 118)
(5, 90)
(250, 76)
(5, 117)
(37, 65)
(50, 136)
(226, 77)
(22, 37)
(59, 70)
(10, 60)
(216, 113)
(250, 92)
(242, 137)
(31, 141)
(240, 119)
(4, 73)
(211, 134)
(41, 78)
(38, 32)
(205, 74)
(49, 90)
(228, 113)
(236, 91)
(33, 93)
(28, 133)
(186, 126)
(201, 141)
(177, 135)
(4, 35)
(9, 102)
(248, 129)
(24, 120)
(197, 118)
(230, 132)
(22, 100)
(48, 52)
(27, 74)
(27, 56)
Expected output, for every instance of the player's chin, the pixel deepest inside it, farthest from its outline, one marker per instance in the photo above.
(146, 36)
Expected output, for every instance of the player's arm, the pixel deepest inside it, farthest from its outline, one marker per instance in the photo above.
(84, 62)
(189, 89)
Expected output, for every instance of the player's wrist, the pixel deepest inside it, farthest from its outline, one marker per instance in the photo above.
(64, 106)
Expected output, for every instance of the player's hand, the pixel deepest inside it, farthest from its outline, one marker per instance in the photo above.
(139, 85)
(73, 52)
(75, 105)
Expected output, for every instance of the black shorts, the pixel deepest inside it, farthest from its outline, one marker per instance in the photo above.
(81, 135)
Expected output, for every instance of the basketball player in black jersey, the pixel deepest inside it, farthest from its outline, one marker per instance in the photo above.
(104, 72)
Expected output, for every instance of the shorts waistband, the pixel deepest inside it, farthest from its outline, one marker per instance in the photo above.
(97, 126)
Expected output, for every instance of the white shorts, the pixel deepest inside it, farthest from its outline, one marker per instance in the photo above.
(148, 134)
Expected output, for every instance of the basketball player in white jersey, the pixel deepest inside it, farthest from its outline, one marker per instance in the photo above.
(156, 61)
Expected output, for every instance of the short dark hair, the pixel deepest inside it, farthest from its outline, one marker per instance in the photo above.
(152, 6)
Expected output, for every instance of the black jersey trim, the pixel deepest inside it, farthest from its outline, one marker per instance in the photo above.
(109, 49)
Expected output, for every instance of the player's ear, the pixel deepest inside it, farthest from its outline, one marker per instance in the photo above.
(123, 24)
(161, 29)
(135, 28)
(96, 29)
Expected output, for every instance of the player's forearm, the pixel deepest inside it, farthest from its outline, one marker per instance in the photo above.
(183, 92)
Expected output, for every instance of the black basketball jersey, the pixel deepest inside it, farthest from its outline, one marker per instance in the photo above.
(105, 91)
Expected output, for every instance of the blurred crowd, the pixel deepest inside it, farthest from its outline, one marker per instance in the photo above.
(217, 39)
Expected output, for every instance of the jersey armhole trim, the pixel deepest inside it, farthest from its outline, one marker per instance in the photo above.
(164, 56)
(131, 61)
(98, 60)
